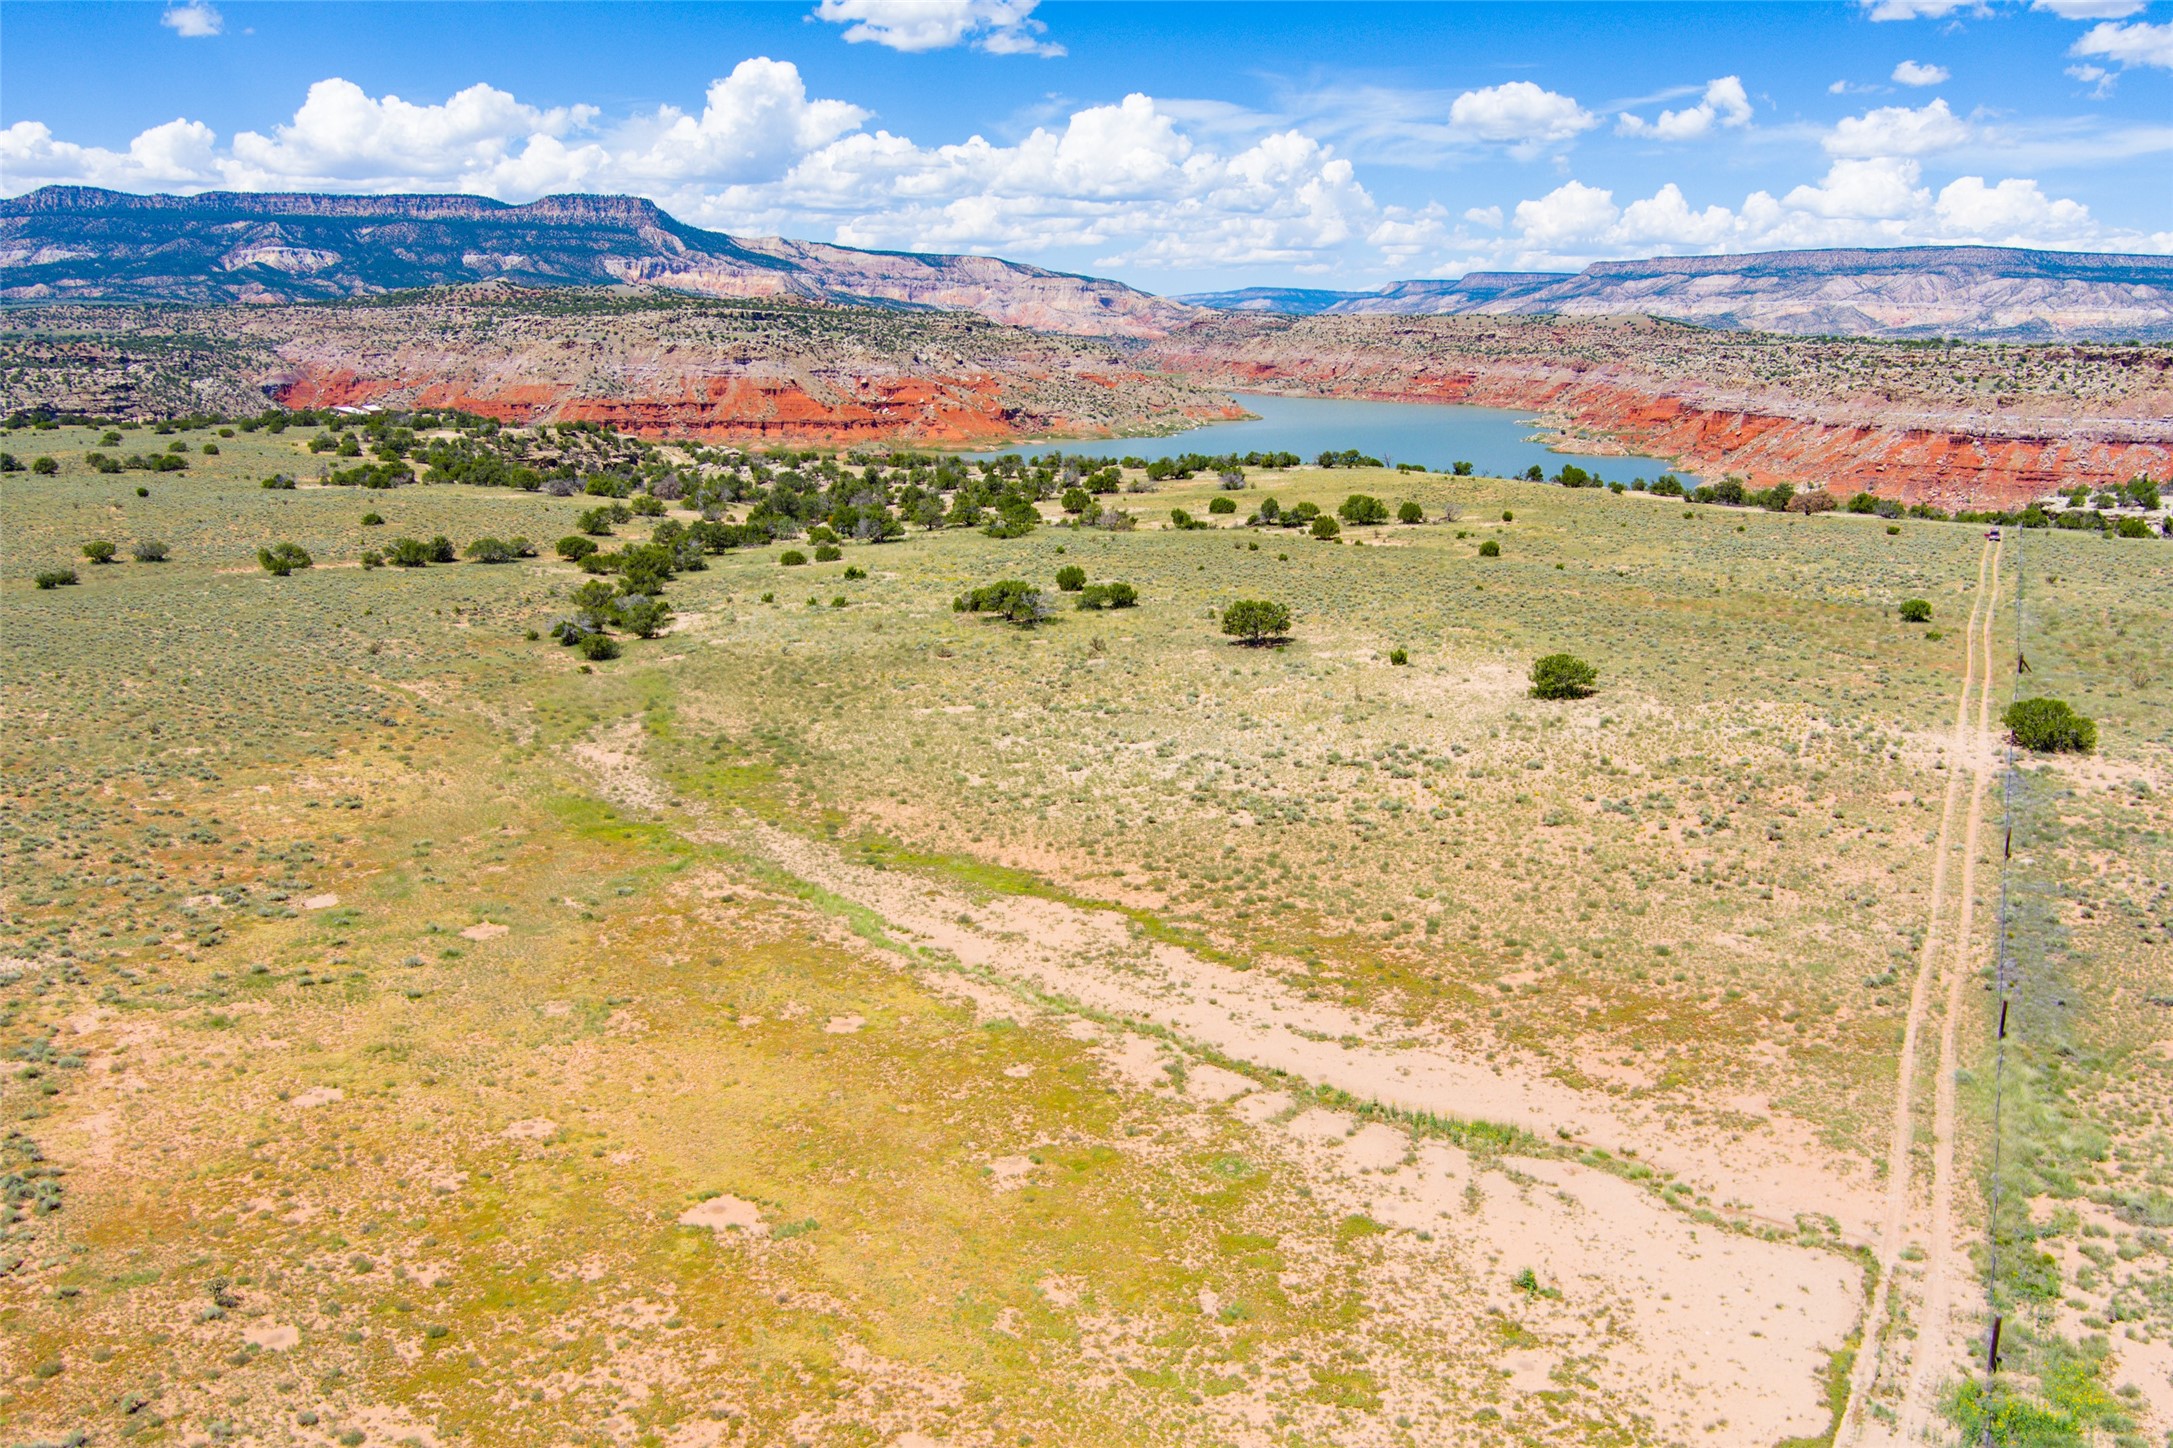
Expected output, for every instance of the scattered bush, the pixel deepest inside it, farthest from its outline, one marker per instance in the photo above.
(376, 520)
(827, 553)
(853, 571)
(98, 550)
(1221, 505)
(1915, 610)
(278, 483)
(1071, 578)
(1075, 500)
(1256, 620)
(407, 553)
(1398, 656)
(55, 577)
(490, 550)
(792, 558)
(371, 558)
(1012, 599)
(1325, 527)
(148, 550)
(1490, 549)
(281, 559)
(642, 615)
(441, 550)
(573, 547)
(1358, 509)
(1507, 516)
(598, 647)
(1108, 595)
(1410, 512)
(2049, 726)
(45, 467)
(1563, 676)
(596, 521)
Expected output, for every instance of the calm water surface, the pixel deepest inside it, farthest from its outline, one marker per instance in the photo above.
(1492, 439)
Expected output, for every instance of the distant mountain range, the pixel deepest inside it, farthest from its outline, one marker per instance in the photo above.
(81, 244)
(1930, 291)
(75, 243)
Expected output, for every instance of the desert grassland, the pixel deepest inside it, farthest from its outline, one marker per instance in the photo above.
(2085, 1272)
(983, 1217)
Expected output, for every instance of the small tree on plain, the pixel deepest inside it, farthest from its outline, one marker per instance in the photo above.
(2050, 726)
(1915, 610)
(1563, 676)
(1410, 512)
(1070, 578)
(281, 559)
(1359, 510)
(149, 550)
(1256, 620)
(98, 550)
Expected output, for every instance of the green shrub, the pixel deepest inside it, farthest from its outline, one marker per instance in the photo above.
(792, 558)
(45, 467)
(1256, 620)
(1915, 610)
(1410, 512)
(598, 647)
(854, 571)
(376, 520)
(1222, 505)
(1075, 500)
(1398, 656)
(441, 550)
(98, 550)
(1108, 595)
(2049, 726)
(1012, 599)
(827, 553)
(1325, 527)
(1507, 516)
(281, 559)
(407, 553)
(642, 615)
(1562, 676)
(278, 483)
(1071, 578)
(55, 577)
(1359, 509)
(596, 521)
(371, 559)
(573, 547)
(490, 550)
(148, 550)
(1490, 549)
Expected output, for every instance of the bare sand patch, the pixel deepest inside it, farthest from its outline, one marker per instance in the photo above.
(318, 1096)
(273, 1337)
(485, 930)
(535, 1128)
(844, 1025)
(1213, 1083)
(726, 1214)
(1007, 1172)
(321, 902)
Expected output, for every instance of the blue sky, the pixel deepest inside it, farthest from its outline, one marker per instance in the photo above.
(1177, 146)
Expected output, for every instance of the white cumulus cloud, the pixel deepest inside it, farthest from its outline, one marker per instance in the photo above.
(1917, 9)
(1898, 131)
(195, 20)
(2090, 9)
(1001, 27)
(2126, 45)
(1724, 104)
(1910, 72)
(1519, 114)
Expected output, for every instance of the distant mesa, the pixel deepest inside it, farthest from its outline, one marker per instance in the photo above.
(83, 244)
(1906, 292)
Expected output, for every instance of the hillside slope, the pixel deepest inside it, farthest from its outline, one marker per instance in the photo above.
(72, 243)
(1963, 425)
(757, 370)
(1943, 291)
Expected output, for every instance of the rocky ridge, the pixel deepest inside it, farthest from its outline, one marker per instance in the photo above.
(1942, 291)
(778, 370)
(1959, 425)
(74, 243)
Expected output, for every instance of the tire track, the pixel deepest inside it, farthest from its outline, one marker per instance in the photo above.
(1864, 1372)
(1934, 1345)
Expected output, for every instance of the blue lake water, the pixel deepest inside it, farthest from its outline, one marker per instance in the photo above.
(1492, 439)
